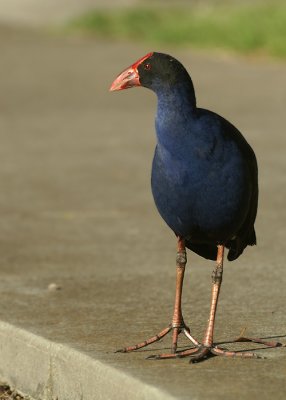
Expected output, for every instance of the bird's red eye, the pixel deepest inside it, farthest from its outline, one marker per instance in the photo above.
(147, 66)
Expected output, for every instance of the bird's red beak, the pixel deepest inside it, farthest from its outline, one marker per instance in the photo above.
(129, 77)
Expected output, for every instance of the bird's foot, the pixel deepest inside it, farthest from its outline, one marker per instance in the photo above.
(176, 331)
(202, 352)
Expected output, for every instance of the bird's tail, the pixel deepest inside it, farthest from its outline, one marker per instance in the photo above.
(235, 246)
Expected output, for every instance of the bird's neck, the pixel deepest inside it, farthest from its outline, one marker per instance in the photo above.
(175, 110)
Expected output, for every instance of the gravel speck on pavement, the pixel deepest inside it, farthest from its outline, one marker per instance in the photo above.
(6, 393)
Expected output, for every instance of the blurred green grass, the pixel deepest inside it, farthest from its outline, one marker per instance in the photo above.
(248, 29)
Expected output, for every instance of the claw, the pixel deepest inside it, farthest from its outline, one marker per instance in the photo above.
(120, 351)
(153, 357)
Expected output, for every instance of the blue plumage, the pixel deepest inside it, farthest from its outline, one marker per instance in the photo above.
(204, 174)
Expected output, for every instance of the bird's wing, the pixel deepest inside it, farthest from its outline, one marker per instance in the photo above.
(246, 233)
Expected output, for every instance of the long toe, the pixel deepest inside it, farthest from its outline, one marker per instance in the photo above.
(259, 341)
(167, 356)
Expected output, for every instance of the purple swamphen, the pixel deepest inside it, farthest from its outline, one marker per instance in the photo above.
(205, 186)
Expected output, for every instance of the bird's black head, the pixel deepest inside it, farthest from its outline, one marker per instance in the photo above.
(160, 70)
(153, 71)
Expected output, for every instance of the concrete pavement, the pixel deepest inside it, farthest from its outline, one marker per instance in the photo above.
(76, 210)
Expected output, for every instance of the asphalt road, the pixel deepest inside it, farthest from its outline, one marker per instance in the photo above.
(76, 210)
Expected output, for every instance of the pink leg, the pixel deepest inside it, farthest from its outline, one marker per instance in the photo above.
(207, 348)
(204, 349)
(177, 325)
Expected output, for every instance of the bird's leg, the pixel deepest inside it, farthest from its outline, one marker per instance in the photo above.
(177, 320)
(206, 349)
(207, 343)
(208, 340)
(216, 284)
(177, 325)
